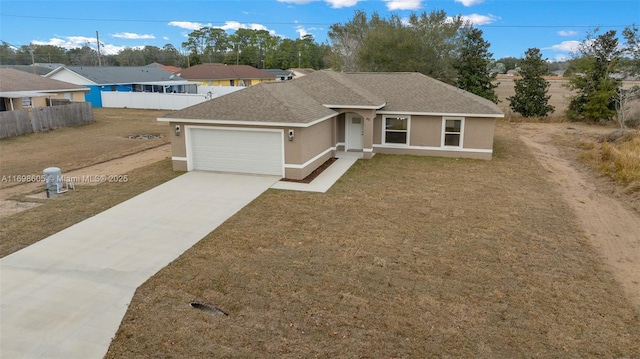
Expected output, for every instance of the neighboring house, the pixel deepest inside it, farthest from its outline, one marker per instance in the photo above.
(290, 128)
(172, 69)
(281, 75)
(299, 72)
(101, 79)
(19, 89)
(38, 69)
(226, 75)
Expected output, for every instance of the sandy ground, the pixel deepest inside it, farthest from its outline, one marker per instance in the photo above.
(612, 227)
(84, 177)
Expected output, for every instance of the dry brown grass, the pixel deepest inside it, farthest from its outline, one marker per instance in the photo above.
(621, 159)
(77, 147)
(560, 96)
(404, 257)
(55, 214)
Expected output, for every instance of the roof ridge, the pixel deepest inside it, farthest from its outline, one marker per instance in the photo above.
(355, 87)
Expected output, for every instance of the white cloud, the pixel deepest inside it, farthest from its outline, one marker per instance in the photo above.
(189, 25)
(403, 4)
(468, 3)
(73, 42)
(69, 42)
(109, 49)
(337, 4)
(565, 46)
(301, 31)
(132, 36)
(567, 33)
(478, 19)
(235, 25)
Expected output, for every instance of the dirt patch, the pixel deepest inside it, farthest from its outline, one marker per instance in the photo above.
(109, 171)
(612, 227)
(52, 215)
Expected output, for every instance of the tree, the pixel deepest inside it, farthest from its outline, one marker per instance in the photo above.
(473, 65)
(85, 56)
(510, 62)
(130, 57)
(426, 43)
(438, 38)
(171, 56)
(7, 54)
(632, 49)
(592, 78)
(531, 97)
(346, 41)
(388, 46)
(623, 102)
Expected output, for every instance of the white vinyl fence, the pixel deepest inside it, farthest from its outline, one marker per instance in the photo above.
(217, 91)
(163, 101)
(151, 100)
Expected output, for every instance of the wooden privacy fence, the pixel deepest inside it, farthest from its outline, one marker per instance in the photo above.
(40, 119)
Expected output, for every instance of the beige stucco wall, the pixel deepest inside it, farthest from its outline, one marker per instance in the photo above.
(438, 153)
(340, 128)
(478, 133)
(76, 96)
(426, 131)
(307, 143)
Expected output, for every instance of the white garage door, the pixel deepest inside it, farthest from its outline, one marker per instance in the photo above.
(234, 150)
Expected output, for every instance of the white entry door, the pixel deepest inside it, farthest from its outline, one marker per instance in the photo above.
(355, 132)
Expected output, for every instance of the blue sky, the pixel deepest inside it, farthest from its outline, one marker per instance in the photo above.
(511, 26)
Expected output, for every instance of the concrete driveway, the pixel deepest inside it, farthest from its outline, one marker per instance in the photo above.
(65, 296)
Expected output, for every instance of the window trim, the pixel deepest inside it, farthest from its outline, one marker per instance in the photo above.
(384, 130)
(444, 132)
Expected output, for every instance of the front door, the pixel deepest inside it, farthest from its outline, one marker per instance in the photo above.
(355, 132)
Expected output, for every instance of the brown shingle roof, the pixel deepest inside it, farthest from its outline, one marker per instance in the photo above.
(14, 81)
(223, 72)
(334, 89)
(266, 102)
(313, 97)
(418, 93)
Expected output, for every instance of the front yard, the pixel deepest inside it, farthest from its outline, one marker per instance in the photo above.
(403, 257)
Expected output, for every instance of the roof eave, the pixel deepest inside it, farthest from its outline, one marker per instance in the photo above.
(246, 123)
(363, 107)
(452, 114)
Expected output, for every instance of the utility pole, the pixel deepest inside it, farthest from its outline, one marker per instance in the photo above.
(98, 41)
(33, 62)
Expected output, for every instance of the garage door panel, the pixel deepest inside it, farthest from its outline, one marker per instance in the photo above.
(256, 152)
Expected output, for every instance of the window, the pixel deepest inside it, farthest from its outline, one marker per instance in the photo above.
(26, 102)
(452, 132)
(396, 130)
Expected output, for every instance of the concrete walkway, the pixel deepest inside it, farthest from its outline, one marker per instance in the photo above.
(327, 178)
(65, 296)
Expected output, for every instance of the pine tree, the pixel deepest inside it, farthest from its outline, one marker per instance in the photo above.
(531, 99)
(473, 65)
(596, 88)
